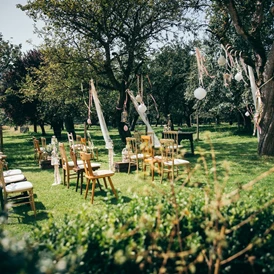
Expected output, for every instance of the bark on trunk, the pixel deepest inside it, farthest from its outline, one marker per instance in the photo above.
(69, 125)
(122, 126)
(266, 126)
(42, 126)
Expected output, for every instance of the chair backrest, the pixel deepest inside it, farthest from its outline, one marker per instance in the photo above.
(43, 142)
(167, 149)
(85, 157)
(137, 135)
(83, 141)
(78, 139)
(146, 146)
(131, 145)
(63, 154)
(171, 134)
(36, 145)
(70, 139)
(73, 157)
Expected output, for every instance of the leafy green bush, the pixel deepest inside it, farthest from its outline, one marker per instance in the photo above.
(208, 232)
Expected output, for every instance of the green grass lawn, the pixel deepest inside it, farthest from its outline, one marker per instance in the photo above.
(238, 150)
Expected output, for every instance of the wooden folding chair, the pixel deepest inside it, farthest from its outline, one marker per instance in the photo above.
(94, 175)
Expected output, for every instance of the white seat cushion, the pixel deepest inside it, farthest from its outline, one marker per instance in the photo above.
(14, 178)
(12, 172)
(139, 156)
(93, 165)
(177, 162)
(71, 163)
(103, 172)
(21, 186)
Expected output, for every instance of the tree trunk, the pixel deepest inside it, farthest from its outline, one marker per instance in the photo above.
(69, 125)
(57, 129)
(266, 114)
(122, 126)
(35, 127)
(42, 126)
(188, 120)
(266, 128)
(124, 101)
(134, 121)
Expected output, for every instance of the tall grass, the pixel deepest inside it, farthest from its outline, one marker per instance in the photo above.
(237, 150)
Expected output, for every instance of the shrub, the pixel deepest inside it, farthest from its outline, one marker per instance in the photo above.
(208, 231)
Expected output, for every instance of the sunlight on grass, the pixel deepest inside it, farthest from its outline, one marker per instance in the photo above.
(238, 151)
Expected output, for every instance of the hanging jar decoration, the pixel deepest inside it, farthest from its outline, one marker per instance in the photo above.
(200, 93)
(124, 116)
(89, 121)
(221, 61)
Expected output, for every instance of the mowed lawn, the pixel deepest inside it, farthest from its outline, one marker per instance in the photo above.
(227, 151)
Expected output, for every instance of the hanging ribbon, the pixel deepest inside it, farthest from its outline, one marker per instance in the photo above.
(201, 67)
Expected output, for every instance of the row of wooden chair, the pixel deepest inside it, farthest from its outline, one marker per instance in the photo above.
(91, 170)
(83, 144)
(15, 189)
(166, 162)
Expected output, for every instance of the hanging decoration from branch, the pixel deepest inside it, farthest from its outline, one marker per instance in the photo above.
(124, 113)
(108, 141)
(143, 116)
(200, 92)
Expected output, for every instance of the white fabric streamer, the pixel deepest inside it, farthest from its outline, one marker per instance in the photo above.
(156, 142)
(108, 141)
(256, 99)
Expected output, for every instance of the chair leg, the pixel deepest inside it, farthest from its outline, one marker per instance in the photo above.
(64, 176)
(81, 183)
(93, 190)
(68, 178)
(32, 203)
(98, 182)
(112, 187)
(78, 178)
(105, 182)
(128, 170)
(87, 188)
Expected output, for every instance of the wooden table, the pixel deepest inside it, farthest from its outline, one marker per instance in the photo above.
(185, 136)
(123, 166)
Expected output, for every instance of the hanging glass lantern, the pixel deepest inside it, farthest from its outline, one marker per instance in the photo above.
(247, 114)
(138, 98)
(200, 93)
(124, 116)
(89, 121)
(142, 108)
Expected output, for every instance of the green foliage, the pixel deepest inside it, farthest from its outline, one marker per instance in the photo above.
(200, 226)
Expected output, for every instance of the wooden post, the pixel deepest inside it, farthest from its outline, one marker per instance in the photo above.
(197, 121)
(1, 138)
